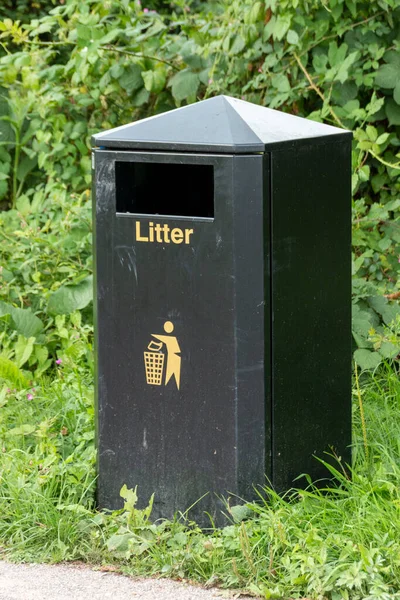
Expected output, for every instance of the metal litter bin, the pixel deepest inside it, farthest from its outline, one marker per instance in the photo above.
(222, 314)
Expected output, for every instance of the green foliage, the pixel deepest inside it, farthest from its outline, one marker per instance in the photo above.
(47, 464)
(87, 66)
(10, 372)
(338, 544)
(45, 258)
(69, 298)
(341, 543)
(24, 10)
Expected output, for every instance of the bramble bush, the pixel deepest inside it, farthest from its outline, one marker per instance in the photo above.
(90, 65)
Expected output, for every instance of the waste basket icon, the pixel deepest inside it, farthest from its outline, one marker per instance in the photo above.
(222, 248)
(154, 364)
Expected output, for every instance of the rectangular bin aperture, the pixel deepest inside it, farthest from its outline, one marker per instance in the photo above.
(222, 313)
(174, 189)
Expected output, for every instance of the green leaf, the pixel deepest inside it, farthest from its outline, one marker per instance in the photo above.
(154, 29)
(354, 182)
(154, 81)
(371, 132)
(256, 12)
(382, 138)
(382, 306)
(74, 508)
(240, 512)
(23, 205)
(69, 298)
(7, 133)
(26, 323)
(392, 112)
(352, 6)
(119, 542)
(344, 92)
(184, 84)
(3, 395)
(364, 173)
(196, 62)
(292, 37)
(3, 189)
(26, 166)
(387, 76)
(396, 93)
(10, 372)
(281, 26)
(366, 359)
(116, 70)
(130, 497)
(179, 540)
(23, 349)
(25, 429)
(375, 104)
(83, 34)
(42, 368)
(41, 354)
(269, 28)
(131, 79)
(22, 320)
(343, 72)
(110, 36)
(337, 54)
(237, 45)
(141, 97)
(281, 83)
(361, 325)
(388, 350)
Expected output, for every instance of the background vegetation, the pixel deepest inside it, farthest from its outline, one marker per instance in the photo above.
(73, 68)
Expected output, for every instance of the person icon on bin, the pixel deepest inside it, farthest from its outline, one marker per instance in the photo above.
(173, 368)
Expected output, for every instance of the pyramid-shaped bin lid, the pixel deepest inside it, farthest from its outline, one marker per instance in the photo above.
(218, 125)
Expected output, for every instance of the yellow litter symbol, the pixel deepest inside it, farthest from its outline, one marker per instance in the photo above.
(154, 358)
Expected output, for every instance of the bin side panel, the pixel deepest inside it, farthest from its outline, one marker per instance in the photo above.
(103, 212)
(311, 309)
(251, 230)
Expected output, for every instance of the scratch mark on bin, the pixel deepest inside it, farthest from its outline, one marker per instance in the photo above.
(251, 368)
(145, 445)
(128, 253)
(105, 197)
(108, 452)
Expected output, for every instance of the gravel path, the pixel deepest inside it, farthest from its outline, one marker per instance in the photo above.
(68, 582)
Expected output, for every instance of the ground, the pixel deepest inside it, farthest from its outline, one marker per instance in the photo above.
(79, 582)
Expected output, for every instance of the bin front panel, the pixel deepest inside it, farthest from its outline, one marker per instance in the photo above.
(168, 341)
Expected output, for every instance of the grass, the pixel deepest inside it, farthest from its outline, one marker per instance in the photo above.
(344, 543)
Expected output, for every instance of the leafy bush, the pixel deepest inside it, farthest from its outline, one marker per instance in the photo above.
(45, 245)
(88, 66)
(24, 10)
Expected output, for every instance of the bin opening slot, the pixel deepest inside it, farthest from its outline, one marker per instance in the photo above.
(174, 189)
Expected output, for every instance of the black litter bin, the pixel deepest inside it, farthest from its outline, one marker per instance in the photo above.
(222, 250)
